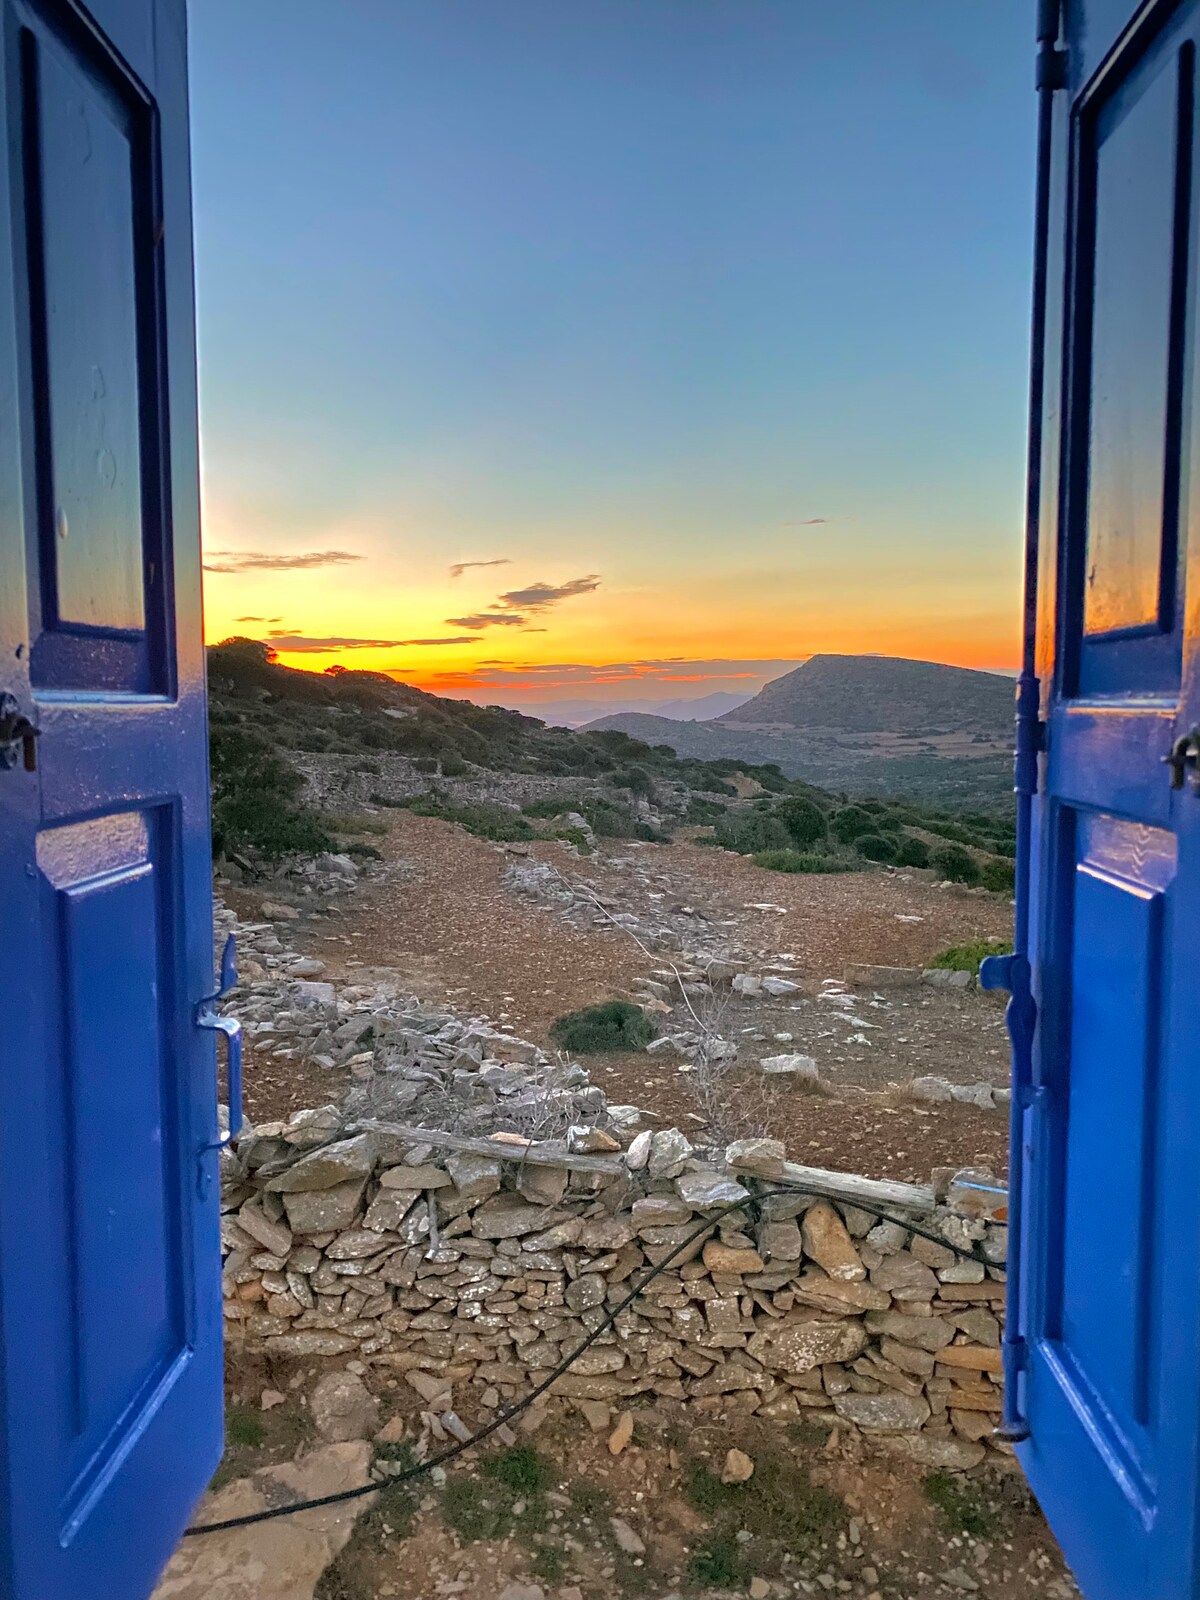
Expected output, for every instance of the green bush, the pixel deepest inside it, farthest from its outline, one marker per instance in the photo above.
(254, 805)
(702, 811)
(800, 861)
(614, 1025)
(953, 862)
(804, 820)
(849, 822)
(636, 779)
(608, 819)
(575, 836)
(967, 957)
(998, 875)
(546, 809)
(482, 818)
(876, 847)
(912, 852)
(751, 832)
(453, 765)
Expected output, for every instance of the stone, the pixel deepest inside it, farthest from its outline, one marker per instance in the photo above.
(357, 1244)
(325, 1210)
(310, 994)
(276, 911)
(904, 1276)
(310, 1342)
(638, 1154)
(590, 1141)
(343, 1408)
(543, 1186)
(799, 1066)
(797, 1347)
(341, 866)
(281, 1559)
(871, 977)
(974, 1094)
(434, 1389)
(828, 1243)
(747, 984)
(522, 1591)
(883, 1413)
(475, 1177)
(780, 1241)
(669, 1149)
(761, 1158)
(273, 1236)
(306, 967)
(322, 1169)
(423, 1177)
(660, 1211)
(507, 1216)
(389, 1209)
(702, 1190)
(588, 1290)
(974, 1357)
(596, 1414)
(271, 1398)
(926, 1333)
(621, 1434)
(760, 1589)
(955, 1455)
(778, 987)
(738, 1467)
(947, 978)
(627, 1539)
(720, 1257)
(931, 1090)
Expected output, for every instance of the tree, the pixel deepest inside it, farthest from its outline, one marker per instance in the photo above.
(803, 819)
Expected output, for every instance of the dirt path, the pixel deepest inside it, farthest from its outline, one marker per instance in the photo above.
(441, 919)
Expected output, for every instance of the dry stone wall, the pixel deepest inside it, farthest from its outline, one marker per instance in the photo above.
(487, 1263)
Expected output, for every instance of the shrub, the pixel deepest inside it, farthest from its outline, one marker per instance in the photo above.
(998, 875)
(751, 832)
(804, 820)
(482, 818)
(636, 780)
(608, 819)
(254, 804)
(953, 862)
(967, 957)
(799, 861)
(876, 847)
(575, 836)
(551, 807)
(849, 822)
(453, 765)
(614, 1025)
(699, 810)
(912, 852)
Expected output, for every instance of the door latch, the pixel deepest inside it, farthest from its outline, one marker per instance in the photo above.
(207, 1016)
(17, 736)
(1184, 757)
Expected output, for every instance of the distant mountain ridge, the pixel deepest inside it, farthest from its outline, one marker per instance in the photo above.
(856, 694)
(863, 724)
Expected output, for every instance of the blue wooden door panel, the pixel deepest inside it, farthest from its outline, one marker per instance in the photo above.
(1109, 1308)
(110, 1352)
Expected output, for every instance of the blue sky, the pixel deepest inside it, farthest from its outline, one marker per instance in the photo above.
(631, 289)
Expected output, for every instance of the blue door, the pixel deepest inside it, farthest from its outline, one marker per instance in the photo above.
(110, 1352)
(1107, 1311)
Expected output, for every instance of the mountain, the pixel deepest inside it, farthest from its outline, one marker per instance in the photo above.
(700, 709)
(574, 713)
(863, 724)
(855, 694)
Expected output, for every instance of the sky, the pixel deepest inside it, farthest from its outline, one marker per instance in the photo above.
(620, 349)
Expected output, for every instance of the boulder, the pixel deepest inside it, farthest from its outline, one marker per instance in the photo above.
(828, 1243)
(322, 1169)
(343, 1408)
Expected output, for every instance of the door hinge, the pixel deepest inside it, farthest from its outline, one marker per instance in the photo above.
(207, 1016)
(17, 736)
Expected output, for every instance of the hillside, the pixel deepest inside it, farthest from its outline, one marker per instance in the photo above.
(863, 724)
(860, 694)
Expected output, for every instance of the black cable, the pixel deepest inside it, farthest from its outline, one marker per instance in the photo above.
(518, 1406)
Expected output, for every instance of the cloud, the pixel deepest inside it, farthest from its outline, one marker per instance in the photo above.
(257, 561)
(486, 619)
(459, 567)
(540, 595)
(258, 619)
(804, 522)
(522, 676)
(300, 643)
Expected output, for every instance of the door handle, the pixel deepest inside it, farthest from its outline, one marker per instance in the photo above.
(207, 1016)
(1184, 756)
(17, 736)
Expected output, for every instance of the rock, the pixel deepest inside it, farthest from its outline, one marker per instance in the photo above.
(275, 911)
(904, 1276)
(588, 1290)
(800, 1346)
(956, 1455)
(273, 1236)
(668, 1151)
(423, 1177)
(627, 1539)
(883, 1413)
(745, 983)
(760, 1589)
(869, 977)
(780, 1241)
(761, 1158)
(931, 1090)
(325, 1210)
(389, 1209)
(277, 1560)
(522, 1591)
(945, 978)
(312, 995)
(543, 1186)
(638, 1154)
(778, 987)
(343, 1408)
(926, 1333)
(660, 1211)
(720, 1257)
(270, 1399)
(829, 1244)
(315, 1342)
(974, 1094)
(322, 1169)
(475, 1177)
(435, 1390)
(340, 865)
(507, 1216)
(738, 1467)
(596, 1414)
(590, 1141)
(306, 967)
(804, 1067)
(704, 1190)
(621, 1434)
